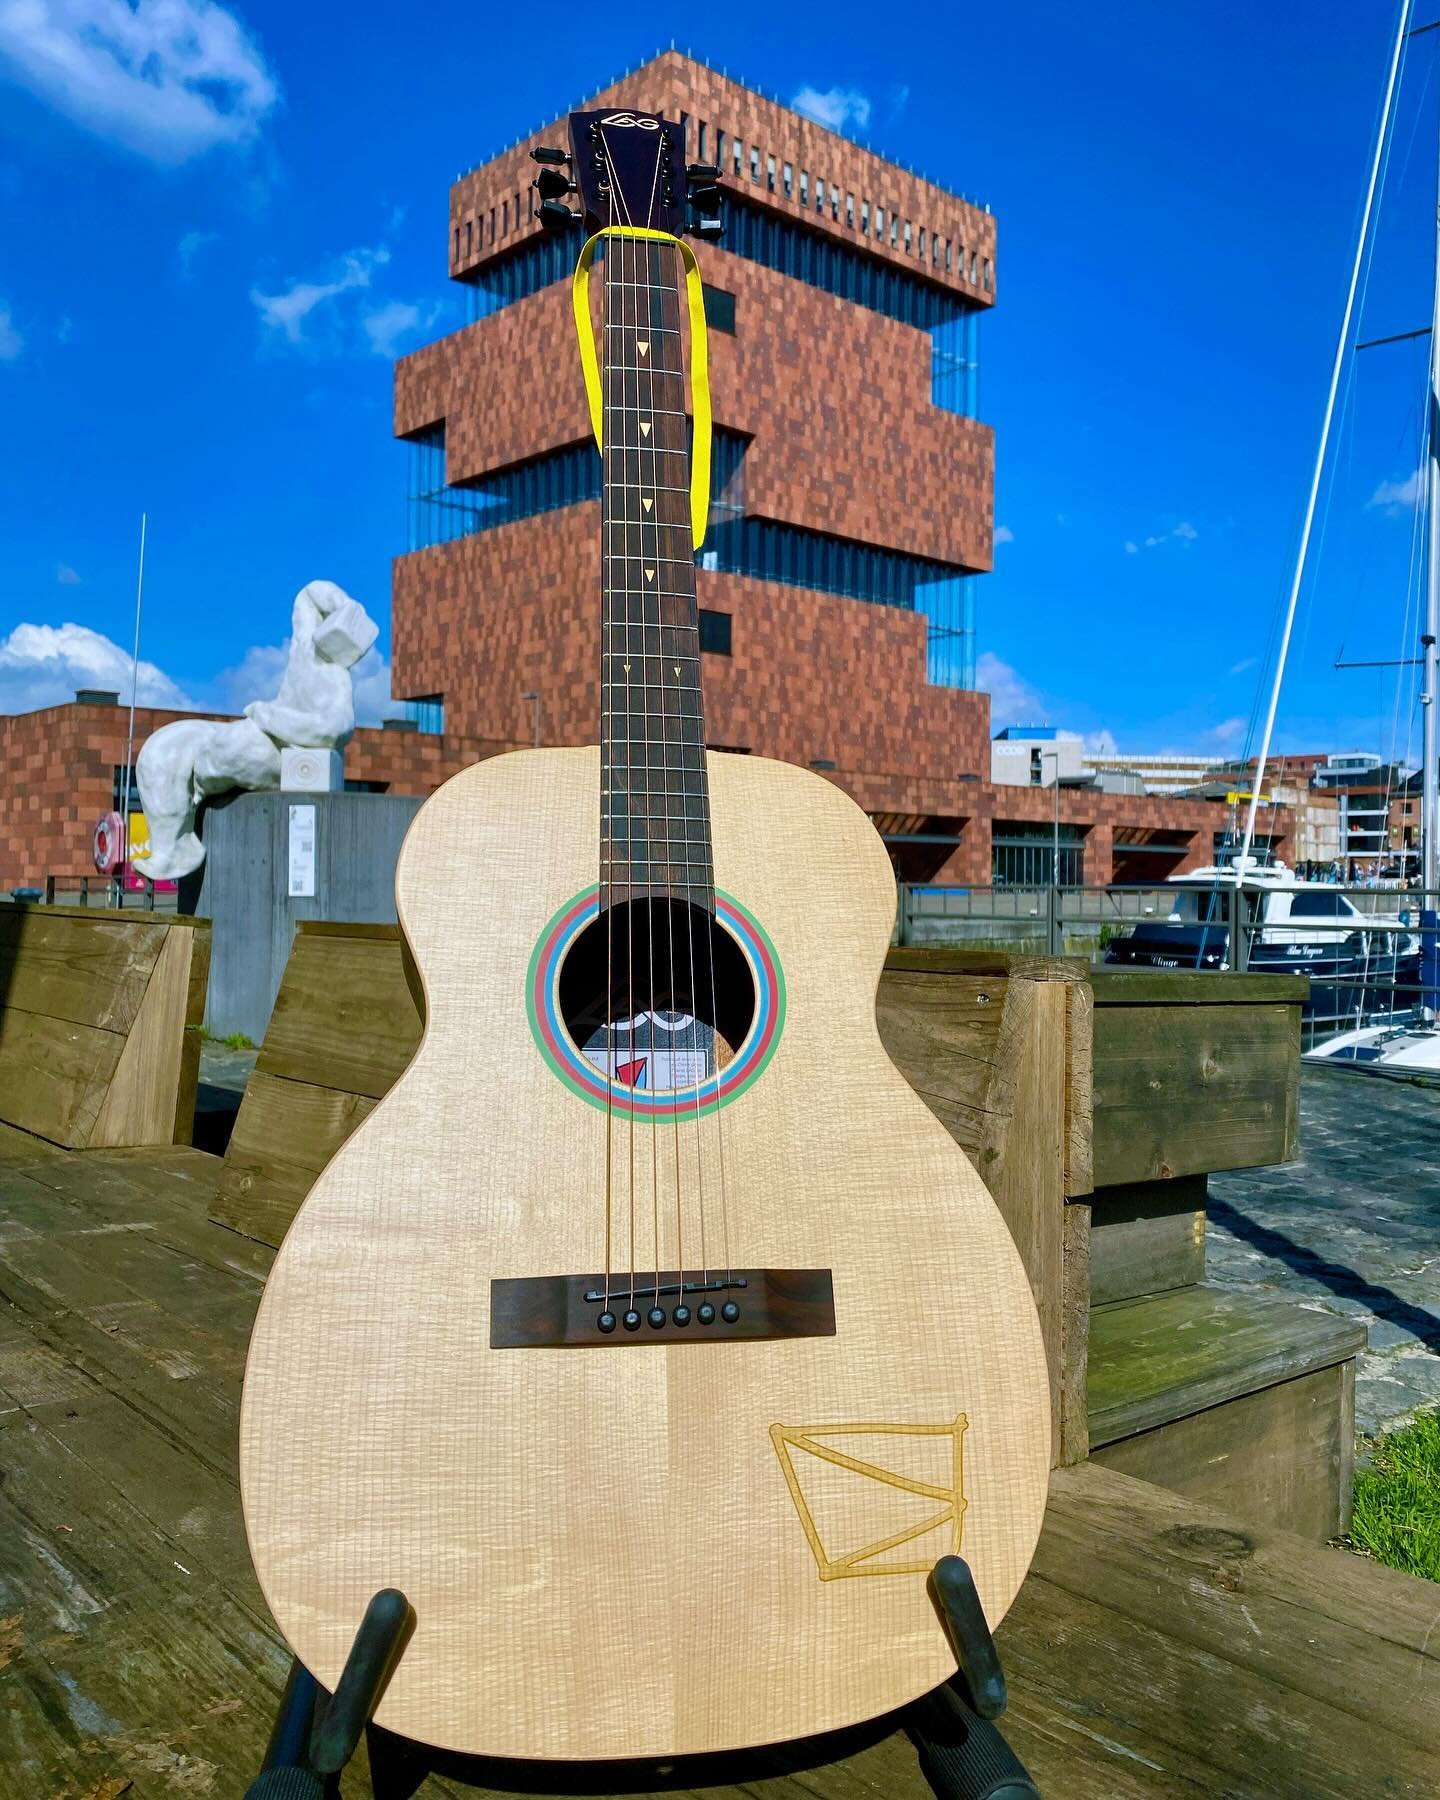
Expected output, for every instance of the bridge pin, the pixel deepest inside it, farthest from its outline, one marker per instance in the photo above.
(632, 1320)
(706, 1314)
(681, 1315)
(606, 1321)
(729, 1312)
(656, 1316)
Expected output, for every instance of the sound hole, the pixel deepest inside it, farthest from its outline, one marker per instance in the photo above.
(639, 1000)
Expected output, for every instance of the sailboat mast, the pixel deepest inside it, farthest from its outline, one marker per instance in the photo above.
(1430, 753)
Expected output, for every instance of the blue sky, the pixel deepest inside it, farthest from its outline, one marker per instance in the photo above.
(220, 224)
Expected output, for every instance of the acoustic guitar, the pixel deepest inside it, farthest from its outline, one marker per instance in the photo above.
(651, 1334)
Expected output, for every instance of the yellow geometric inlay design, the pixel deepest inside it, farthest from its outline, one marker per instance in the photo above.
(809, 1440)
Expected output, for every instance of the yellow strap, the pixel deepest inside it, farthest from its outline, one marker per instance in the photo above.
(699, 366)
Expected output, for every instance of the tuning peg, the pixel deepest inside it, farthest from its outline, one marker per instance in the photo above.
(703, 172)
(552, 185)
(707, 227)
(543, 153)
(707, 201)
(556, 216)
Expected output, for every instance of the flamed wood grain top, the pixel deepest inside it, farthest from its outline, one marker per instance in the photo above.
(384, 1441)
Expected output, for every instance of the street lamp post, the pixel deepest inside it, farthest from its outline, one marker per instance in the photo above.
(535, 698)
(1057, 943)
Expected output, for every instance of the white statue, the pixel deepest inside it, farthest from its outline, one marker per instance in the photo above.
(315, 710)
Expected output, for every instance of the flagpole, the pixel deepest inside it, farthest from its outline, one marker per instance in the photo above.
(130, 733)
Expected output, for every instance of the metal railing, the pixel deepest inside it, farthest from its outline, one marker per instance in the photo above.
(1373, 975)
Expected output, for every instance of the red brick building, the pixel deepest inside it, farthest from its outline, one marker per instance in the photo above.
(851, 514)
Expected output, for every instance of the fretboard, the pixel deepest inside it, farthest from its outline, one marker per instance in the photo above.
(655, 809)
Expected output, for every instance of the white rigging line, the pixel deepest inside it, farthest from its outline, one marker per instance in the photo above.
(1381, 138)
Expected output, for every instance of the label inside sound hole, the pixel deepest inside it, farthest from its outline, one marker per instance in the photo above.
(654, 1052)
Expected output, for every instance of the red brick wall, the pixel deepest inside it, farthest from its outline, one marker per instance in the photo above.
(57, 766)
(674, 85)
(836, 399)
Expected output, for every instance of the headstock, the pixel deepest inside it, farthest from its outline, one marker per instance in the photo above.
(628, 168)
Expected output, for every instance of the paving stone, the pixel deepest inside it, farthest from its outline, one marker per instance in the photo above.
(1352, 1226)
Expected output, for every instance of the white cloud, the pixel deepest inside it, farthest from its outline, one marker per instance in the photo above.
(835, 107)
(42, 665)
(65, 329)
(387, 325)
(1012, 700)
(1183, 533)
(11, 342)
(66, 576)
(168, 79)
(1245, 662)
(1225, 736)
(1004, 535)
(1098, 743)
(287, 311)
(1396, 496)
(190, 247)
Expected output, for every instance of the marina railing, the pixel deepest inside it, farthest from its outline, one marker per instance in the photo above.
(1372, 976)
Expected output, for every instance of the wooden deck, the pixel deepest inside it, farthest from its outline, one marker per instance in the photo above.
(1157, 1648)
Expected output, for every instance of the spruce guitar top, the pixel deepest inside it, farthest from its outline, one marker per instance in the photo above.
(651, 1335)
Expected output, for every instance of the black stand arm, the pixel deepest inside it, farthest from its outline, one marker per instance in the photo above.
(315, 1735)
(962, 1755)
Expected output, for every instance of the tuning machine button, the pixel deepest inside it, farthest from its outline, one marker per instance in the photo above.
(550, 184)
(556, 216)
(544, 153)
(702, 174)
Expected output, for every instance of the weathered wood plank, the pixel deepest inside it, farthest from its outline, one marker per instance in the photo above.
(1188, 1090)
(54, 1075)
(1195, 987)
(1170, 1355)
(88, 968)
(1146, 1237)
(1073, 1387)
(140, 1104)
(1356, 1637)
(285, 1134)
(1079, 1088)
(943, 1036)
(343, 1017)
(1284, 1454)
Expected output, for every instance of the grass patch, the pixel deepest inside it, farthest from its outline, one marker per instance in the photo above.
(237, 1040)
(1397, 1500)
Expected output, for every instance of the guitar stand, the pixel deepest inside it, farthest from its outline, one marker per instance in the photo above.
(962, 1755)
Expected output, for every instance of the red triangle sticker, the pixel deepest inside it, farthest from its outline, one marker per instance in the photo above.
(631, 1074)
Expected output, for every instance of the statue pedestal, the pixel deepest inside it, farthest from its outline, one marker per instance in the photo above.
(272, 859)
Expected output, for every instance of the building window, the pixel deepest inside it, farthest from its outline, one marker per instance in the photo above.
(719, 309)
(850, 211)
(754, 162)
(426, 713)
(739, 157)
(923, 257)
(834, 202)
(907, 237)
(714, 631)
(974, 268)
(894, 229)
(770, 173)
(987, 275)
(701, 137)
(735, 544)
(685, 134)
(1022, 854)
(947, 256)
(719, 148)
(819, 194)
(366, 787)
(864, 218)
(789, 247)
(787, 179)
(804, 187)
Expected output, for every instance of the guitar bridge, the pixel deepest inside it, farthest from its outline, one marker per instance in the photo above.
(543, 1312)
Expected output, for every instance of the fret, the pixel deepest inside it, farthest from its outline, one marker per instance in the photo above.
(667, 330)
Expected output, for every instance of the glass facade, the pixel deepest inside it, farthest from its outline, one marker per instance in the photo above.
(735, 544)
(427, 713)
(790, 249)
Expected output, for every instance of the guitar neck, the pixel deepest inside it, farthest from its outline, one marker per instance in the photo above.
(655, 809)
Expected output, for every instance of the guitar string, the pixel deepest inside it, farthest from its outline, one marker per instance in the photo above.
(615, 275)
(627, 288)
(607, 846)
